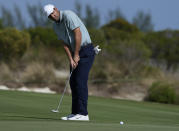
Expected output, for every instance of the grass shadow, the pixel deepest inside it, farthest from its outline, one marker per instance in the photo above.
(32, 117)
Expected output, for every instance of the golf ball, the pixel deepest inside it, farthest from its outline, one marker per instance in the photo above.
(121, 122)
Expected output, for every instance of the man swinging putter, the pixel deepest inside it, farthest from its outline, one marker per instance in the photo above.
(81, 54)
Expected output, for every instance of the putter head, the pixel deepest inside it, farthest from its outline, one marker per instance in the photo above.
(55, 111)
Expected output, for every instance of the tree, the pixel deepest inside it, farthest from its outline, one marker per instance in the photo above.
(7, 17)
(78, 8)
(1, 25)
(12, 19)
(43, 36)
(19, 21)
(115, 14)
(92, 17)
(37, 16)
(164, 46)
(13, 44)
(143, 21)
(121, 24)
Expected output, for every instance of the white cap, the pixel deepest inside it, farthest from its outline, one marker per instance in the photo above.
(48, 9)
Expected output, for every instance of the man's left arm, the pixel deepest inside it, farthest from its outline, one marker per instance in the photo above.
(74, 25)
(78, 37)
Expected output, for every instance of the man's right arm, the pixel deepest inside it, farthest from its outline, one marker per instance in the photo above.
(67, 50)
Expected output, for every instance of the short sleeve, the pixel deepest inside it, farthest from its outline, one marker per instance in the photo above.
(72, 20)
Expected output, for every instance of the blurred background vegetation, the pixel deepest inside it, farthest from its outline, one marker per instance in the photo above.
(136, 62)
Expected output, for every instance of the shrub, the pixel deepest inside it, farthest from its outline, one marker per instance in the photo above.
(114, 89)
(46, 55)
(177, 99)
(132, 55)
(113, 33)
(1, 25)
(13, 43)
(97, 37)
(164, 46)
(162, 93)
(99, 77)
(37, 73)
(44, 36)
(123, 25)
(6, 74)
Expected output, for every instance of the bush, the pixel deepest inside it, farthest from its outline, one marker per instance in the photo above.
(164, 47)
(132, 55)
(99, 72)
(13, 44)
(120, 29)
(6, 74)
(162, 93)
(177, 99)
(123, 25)
(38, 74)
(46, 55)
(99, 76)
(97, 37)
(1, 25)
(112, 33)
(44, 36)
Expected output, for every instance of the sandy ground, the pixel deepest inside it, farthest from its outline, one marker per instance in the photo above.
(25, 89)
(136, 96)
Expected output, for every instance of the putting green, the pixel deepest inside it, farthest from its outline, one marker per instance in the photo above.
(21, 111)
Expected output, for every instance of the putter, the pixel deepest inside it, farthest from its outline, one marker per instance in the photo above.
(57, 110)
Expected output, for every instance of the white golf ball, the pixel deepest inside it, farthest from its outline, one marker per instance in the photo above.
(121, 122)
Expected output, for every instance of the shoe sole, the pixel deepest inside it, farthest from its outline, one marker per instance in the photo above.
(77, 120)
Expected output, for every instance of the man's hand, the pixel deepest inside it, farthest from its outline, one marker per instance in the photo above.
(76, 59)
(73, 64)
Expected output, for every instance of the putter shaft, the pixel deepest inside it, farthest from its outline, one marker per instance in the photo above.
(64, 91)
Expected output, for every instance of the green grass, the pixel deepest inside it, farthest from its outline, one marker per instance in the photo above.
(21, 111)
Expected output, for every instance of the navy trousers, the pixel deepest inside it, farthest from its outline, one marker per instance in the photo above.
(79, 80)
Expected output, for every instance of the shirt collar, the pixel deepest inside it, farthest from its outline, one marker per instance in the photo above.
(60, 19)
(61, 16)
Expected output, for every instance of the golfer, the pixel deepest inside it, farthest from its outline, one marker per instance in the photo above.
(80, 51)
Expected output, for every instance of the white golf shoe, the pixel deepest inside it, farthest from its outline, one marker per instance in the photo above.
(79, 117)
(66, 117)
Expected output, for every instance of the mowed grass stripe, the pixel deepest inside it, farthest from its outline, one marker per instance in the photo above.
(33, 110)
(80, 126)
